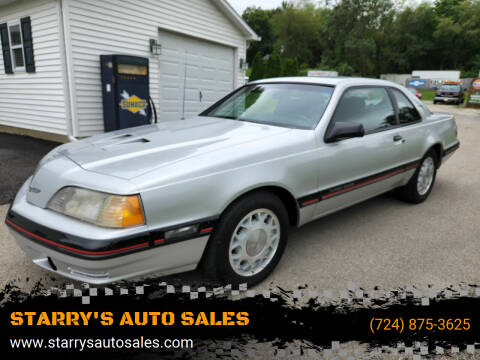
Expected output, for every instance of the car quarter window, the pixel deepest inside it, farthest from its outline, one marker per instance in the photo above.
(407, 113)
(369, 106)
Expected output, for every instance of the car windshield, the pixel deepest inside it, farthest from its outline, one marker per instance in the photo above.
(450, 87)
(290, 105)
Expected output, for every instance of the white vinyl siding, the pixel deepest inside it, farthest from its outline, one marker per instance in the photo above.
(111, 27)
(35, 100)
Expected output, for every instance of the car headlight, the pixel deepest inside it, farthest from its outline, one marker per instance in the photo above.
(114, 211)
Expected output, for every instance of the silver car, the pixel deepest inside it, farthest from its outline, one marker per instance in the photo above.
(220, 190)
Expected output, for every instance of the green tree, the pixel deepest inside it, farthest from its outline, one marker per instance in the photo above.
(258, 68)
(290, 67)
(469, 20)
(448, 32)
(296, 30)
(354, 30)
(409, 41)
(345, 69)
(370, 37)
(259, 20)
(273, 66)
(448, 8)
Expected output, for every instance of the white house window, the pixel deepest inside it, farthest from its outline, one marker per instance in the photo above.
(16, 46)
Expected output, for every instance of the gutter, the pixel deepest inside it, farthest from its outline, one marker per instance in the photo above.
(67, 70)
(236, 18)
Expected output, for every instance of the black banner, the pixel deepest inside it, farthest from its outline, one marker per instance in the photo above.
(153, 319)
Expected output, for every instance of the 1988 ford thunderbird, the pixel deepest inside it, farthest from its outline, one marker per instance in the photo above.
(220, 190)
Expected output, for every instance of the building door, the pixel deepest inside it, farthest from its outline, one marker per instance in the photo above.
(193, 74)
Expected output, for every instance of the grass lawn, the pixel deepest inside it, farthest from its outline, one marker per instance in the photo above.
(428, 94)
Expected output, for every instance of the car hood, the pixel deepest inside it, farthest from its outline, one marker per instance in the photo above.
(136, 151)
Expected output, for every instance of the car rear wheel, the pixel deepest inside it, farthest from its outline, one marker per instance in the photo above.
(421, 183)
(248, 241)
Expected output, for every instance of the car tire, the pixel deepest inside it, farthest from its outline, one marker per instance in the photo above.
(434, 102)
(421, 184)
(248, 241)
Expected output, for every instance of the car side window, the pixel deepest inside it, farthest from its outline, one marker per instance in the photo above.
(407, 113)
(370, 107)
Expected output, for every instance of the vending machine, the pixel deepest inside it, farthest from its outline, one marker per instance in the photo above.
(125, 91)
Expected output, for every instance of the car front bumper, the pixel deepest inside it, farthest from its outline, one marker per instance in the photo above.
(175, 258)
(100, 258)
(446, 99)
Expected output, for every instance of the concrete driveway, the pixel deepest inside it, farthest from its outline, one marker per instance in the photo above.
(381, 242)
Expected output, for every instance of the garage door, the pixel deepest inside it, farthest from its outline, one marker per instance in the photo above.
(193, 75)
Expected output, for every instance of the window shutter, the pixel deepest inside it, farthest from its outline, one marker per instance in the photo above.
(27, 44)
(7, 59)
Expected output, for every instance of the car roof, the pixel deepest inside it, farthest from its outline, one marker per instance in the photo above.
(331, 81)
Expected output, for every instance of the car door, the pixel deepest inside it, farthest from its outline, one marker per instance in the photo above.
(412, 130)
(354, 169)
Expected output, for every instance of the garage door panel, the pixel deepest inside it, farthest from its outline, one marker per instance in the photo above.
(192, 95)
(171, 69)
(190, 114)
(170, 94)
(208, 84)
(193, 75)
(210, 96)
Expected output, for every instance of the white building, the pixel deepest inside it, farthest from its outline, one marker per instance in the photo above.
(437, 75)
(50, 77)
(400, 79)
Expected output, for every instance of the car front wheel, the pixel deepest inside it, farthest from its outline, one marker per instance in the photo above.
(249, 240)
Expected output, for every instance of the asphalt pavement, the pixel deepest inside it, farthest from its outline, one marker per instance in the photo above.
(382, 242)
(19, 156)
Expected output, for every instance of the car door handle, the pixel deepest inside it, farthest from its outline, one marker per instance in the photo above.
(397, 138)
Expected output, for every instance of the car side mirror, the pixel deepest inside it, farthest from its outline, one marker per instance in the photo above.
(344, 130)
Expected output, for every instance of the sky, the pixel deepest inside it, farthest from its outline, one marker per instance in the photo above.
(240, 5)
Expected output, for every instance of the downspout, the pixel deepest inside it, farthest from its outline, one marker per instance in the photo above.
(67, 68)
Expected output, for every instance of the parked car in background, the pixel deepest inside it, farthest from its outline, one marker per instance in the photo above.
(415, 92)
(451, 92)
(221, 189)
